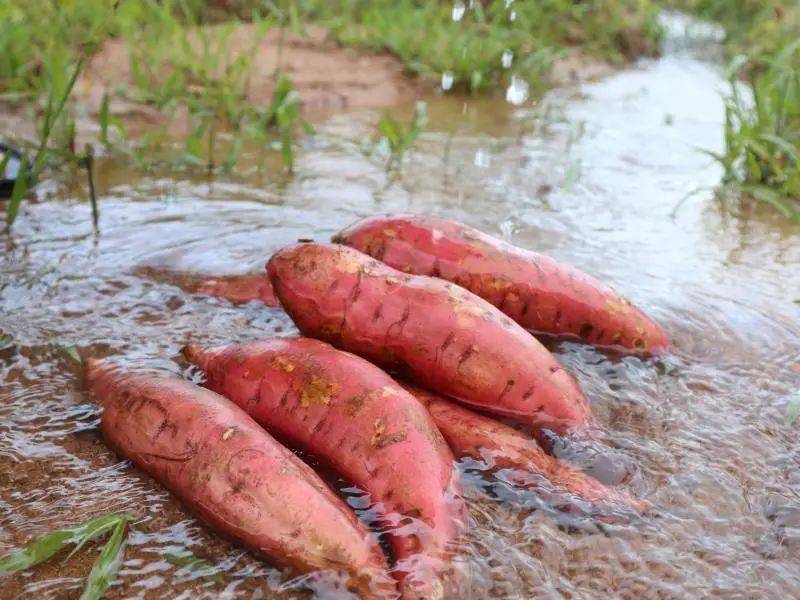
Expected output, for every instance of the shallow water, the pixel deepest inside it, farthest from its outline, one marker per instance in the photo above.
(701, 434)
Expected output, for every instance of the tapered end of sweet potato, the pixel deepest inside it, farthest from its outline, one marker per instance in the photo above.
(97, 374)
(197, 355)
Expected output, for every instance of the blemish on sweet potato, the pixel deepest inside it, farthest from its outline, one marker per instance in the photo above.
(316, 391)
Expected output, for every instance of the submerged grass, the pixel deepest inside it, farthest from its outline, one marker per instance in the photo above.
(398, 137)
(105, 567)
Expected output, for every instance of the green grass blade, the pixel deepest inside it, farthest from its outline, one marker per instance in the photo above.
(38, 551)
(104, 120)
(4, 164)
(49, 544)
(792, 410)
(71, 350)
(186, 559)
(18, 192)
(104, 570)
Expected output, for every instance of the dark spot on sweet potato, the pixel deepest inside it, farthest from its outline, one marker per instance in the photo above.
(355, 293)
(355, 404)
(400, 323)
(586, 330)
(465, 355)
(385, 441)
(448, 340)
(638, 343)
(508, 387)
(377, 313)
(529, 392)
(436, 270)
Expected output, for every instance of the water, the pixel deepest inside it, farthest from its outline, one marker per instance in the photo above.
(701, 434)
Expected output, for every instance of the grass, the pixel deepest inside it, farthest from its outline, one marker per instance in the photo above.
(178, 66)
(762, 107)
(762, 134)
(758, 29)
(186, 68)
(56, 100)
(106, 565)
(478, 46)
(398, 137)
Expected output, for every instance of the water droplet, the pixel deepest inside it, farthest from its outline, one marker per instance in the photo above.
(512, 16)
(509, 3)
(458, 11)
(506, 59)
(508, 228)
(518, 91)
(482, 159)
(447, 80)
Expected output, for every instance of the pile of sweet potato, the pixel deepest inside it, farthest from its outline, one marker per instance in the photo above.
(409, 320)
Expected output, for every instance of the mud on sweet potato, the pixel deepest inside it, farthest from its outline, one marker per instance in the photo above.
(477, 436)
(357, 419)
(235, 476)
(536, 291)
(434, 332)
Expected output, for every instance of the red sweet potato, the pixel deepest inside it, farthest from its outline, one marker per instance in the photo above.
(536, 291)
(355, 417)
(471, 434)
(235, 288)
(432, 331)
(238, 288)
(235, 476)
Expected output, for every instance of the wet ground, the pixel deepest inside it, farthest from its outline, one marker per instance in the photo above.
(702, 434)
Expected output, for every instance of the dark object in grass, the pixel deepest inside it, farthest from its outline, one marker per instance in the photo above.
(11, 164)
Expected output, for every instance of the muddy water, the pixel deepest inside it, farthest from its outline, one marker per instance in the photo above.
(701, 434)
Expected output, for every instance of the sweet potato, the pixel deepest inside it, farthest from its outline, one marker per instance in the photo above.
(536, 291)
(235, 476)
(234, 288)
(356, 418)
(471, 434)
(238, 288)
(434, 332)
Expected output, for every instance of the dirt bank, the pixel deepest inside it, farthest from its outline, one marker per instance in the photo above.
(326, 76)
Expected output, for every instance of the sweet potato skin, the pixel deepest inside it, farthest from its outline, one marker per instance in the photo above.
(351, 414)
(234, 288)
(536, 291)
(238, 288)
(477, 436)
(434, 332)
(234, 475)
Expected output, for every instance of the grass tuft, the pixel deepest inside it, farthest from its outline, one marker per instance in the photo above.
(762, 133)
